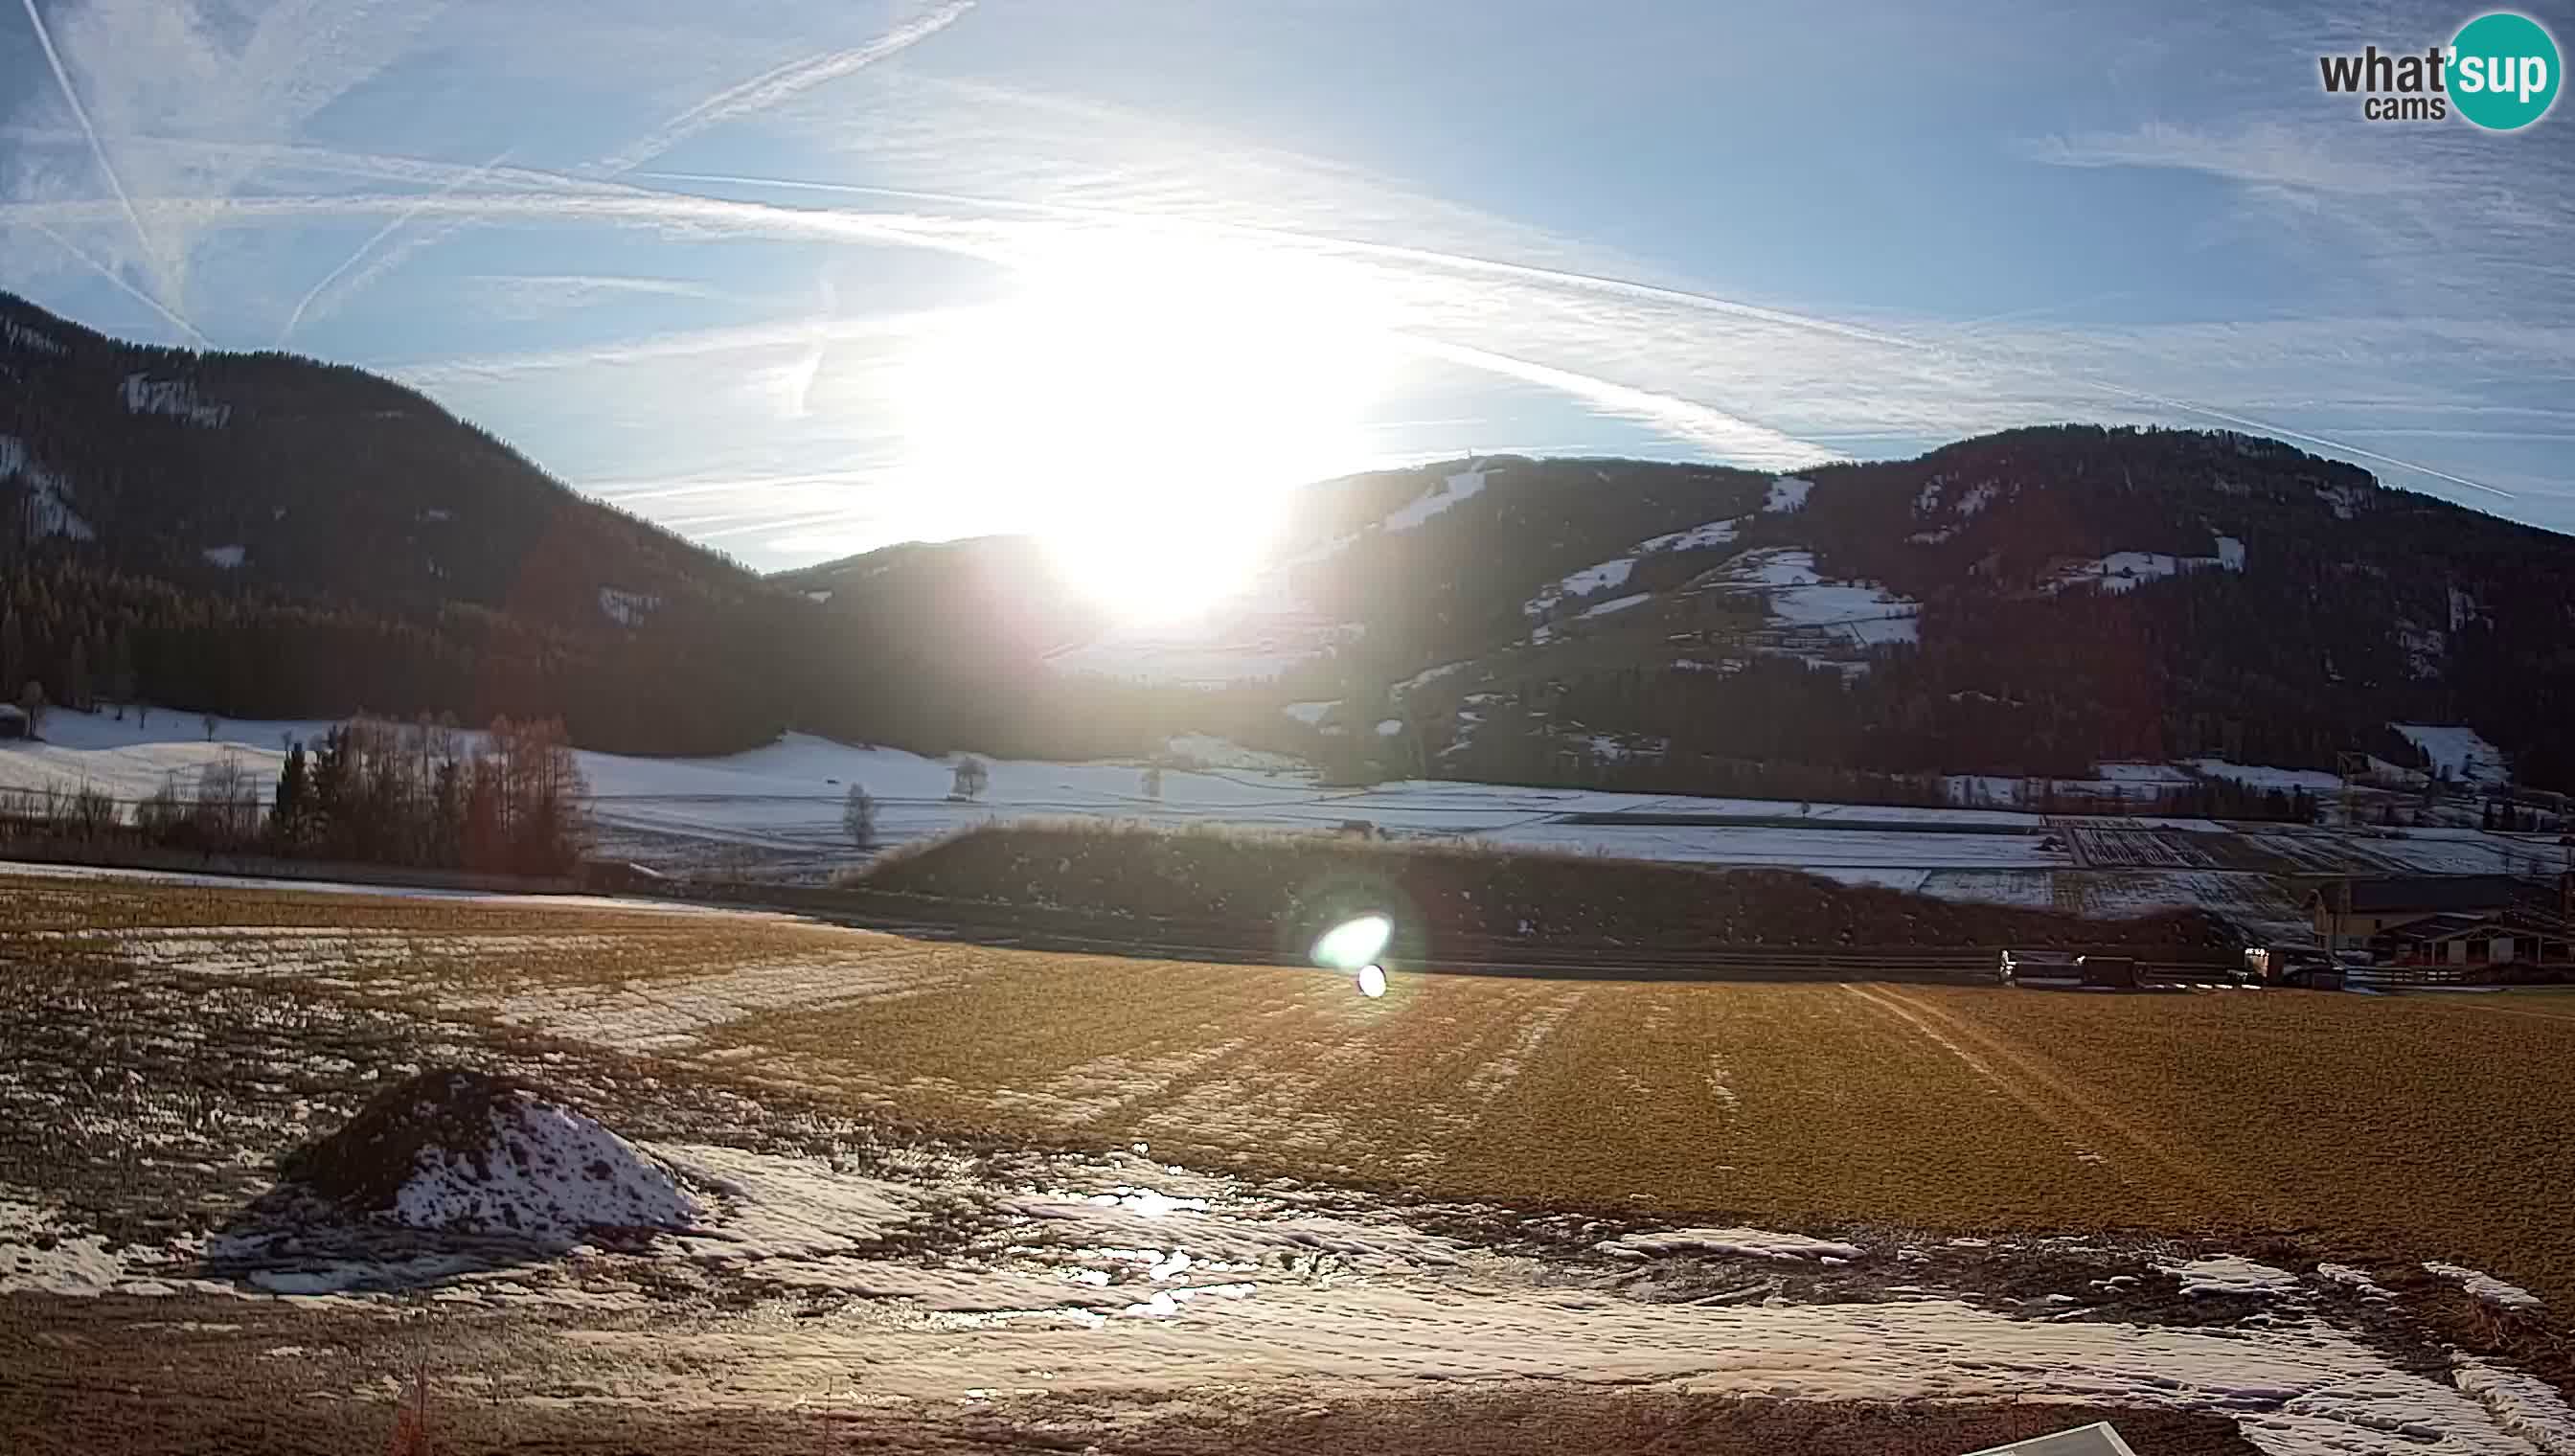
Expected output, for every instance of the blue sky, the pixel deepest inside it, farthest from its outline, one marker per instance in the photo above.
(802, 277)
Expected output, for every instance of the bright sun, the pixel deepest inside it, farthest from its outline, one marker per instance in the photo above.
(1143, 400)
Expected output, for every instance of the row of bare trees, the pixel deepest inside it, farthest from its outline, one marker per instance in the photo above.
(509, 799)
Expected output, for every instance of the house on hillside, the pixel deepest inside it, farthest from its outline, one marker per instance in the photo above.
(2348, 912)
(13, 721)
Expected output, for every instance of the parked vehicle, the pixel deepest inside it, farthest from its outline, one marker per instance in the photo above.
(2035, 965)
(2119, 972)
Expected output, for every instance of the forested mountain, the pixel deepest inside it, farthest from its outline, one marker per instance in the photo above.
(2028, 603)
(263, 536)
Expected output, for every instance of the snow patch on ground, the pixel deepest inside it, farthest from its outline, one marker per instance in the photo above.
(176, 397)
(2137, 773)
(2230, 1274)
(2124, 571)
(2485, 1286)
(1464, 485)
(1262, 633)
(2230, 554)
(1205, 751)
(2523, 1406)
(1750, 1243)
(1583, 582)
(1619, 604)
(1697, 537)
(1312, 714)
(2463, 608)
(2261, 776)
(21, 336)
(1427, 675)
(1862, 613)
(227, 557)
(2459, 748)
(627, 608)
(2357, 1280)
(49, 514)
(40, 1256)
(1787, 493)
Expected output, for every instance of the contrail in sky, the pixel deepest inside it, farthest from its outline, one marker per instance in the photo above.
(80, 113)
(114, 277)
(764, 91)
(387, 231)
(757, 94)
(1649, 404)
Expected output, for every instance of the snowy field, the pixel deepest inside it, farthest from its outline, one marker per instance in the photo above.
(780, 808)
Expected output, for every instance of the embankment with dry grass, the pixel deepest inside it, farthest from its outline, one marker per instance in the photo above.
(1445, 894)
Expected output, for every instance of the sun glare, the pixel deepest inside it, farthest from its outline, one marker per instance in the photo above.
(1353, 943)
(1142, 403)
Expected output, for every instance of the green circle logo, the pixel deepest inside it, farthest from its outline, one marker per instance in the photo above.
(2503, 71)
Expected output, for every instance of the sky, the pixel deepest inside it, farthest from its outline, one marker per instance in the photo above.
(801, 278)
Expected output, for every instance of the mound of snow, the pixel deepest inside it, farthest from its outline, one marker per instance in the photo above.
(1750, 1243)
(462, 1152)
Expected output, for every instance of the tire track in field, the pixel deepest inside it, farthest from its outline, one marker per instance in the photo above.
(1455, 1067)
(2077, 1139)
(2184, 1170)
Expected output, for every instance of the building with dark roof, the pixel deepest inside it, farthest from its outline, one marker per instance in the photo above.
(2350, 912)
(2457, 922)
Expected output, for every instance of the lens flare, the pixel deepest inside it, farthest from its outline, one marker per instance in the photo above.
(1372, 981)
(1354, 942)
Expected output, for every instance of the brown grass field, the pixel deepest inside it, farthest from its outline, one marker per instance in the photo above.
(2415, 1127)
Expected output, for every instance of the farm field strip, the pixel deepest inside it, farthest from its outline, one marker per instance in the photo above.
(2417, 1123)
(1177, 1191)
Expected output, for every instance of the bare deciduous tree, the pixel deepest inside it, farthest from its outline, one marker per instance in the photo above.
(971, 775)
(859, 816)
